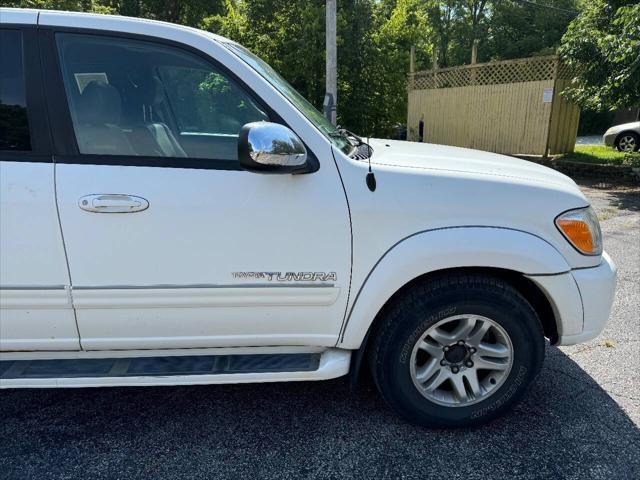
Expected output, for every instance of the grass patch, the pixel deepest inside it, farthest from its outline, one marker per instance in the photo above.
(602, 155)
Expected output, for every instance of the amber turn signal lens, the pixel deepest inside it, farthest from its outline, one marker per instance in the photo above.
(578, 233)
(582, 229)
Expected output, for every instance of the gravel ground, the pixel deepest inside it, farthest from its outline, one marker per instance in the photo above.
(579, 420)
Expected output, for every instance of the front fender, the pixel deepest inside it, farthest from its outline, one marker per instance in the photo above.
(434, 250)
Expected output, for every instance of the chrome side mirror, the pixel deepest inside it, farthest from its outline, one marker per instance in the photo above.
(271, 148)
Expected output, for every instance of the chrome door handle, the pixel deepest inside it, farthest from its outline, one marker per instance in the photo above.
(113, 203)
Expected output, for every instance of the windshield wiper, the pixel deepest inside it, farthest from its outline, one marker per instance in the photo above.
(357, 142)
(351, 137)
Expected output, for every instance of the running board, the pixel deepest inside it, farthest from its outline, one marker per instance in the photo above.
(174, 370)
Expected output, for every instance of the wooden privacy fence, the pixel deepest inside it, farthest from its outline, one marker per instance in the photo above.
(511, 107)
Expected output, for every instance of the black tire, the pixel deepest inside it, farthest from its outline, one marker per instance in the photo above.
(635, 136)
(423, 304)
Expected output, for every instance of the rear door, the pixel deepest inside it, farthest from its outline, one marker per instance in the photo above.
(170, 243)
(35, 301)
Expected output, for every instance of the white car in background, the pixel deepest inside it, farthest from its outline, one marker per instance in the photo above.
(625, 137)
(173, 212)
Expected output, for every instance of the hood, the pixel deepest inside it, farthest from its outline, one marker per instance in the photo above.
(398, 153)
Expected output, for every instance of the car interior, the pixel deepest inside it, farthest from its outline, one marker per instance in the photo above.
(129, 97)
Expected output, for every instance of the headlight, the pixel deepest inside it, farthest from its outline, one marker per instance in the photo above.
(582, 229)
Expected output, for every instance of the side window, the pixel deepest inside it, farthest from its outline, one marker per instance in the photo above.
(136, 98)
(206, 102)
(14, 124)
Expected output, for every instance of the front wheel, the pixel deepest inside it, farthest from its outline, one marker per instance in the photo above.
(456, 351)
(628, 142)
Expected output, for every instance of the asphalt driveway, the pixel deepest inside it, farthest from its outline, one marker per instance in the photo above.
(579, 420)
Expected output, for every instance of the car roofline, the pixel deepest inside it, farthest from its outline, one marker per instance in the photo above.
(116, 20)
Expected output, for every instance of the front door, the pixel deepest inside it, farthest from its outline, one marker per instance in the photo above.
(170, 243)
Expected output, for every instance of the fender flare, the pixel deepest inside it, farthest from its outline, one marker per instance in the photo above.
(432, 250)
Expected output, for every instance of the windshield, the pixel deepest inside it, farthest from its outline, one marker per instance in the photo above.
(301, 103)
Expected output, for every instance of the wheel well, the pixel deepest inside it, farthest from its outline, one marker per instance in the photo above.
(529, 290)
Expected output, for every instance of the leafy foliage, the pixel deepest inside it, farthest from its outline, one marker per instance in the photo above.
(520, 29)
(504, 29)
(374, 39)
(603, 47)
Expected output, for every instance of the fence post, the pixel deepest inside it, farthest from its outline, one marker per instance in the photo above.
(556, 69)
(412, 66)
(474, 60)
(474, 52)
(412, 59)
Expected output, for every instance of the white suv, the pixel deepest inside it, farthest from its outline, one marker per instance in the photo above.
(174, 212)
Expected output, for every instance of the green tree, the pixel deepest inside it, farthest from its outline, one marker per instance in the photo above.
(96, 6)
(288, 34)
(504, 29)
(185, 12)
(456, 25)
(602, 46)
(397, 27)
(374, 39)
(442, 17)
(521, 29)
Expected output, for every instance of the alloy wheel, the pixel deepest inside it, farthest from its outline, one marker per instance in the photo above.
(461, 360)
(627, 143)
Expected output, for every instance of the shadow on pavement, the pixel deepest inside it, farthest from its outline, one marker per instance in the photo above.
(566, 427)
(624, 196)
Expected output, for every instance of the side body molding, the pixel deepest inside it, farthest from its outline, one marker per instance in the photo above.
(440, 249)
